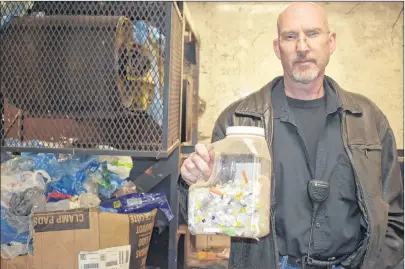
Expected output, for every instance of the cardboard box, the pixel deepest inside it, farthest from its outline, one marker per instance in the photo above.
(203, 242)
(22, 262)
(60, 237)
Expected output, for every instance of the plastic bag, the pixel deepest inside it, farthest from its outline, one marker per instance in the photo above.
(85, 200)
(58, 166)
(119, 165)
(109, 183)
(13, 249)
(21, 203)
(235, 199)
(71, 185)
(17, 165)
(127, 188)
(9, 232)
(138, 203)
(19, 182)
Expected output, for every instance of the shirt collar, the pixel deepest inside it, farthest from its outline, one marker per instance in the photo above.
(282, 109)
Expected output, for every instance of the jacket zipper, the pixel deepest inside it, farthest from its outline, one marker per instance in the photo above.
(349, 153)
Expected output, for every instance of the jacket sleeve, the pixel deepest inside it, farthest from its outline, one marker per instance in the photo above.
(392, 251)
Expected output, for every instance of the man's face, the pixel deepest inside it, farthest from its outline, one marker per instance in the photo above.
(304, 44)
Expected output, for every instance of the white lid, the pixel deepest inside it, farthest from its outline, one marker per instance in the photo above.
(244, 130)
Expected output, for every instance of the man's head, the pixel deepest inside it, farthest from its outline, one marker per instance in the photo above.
(304, 42)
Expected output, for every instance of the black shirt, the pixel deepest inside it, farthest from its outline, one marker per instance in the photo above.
(306, 148)
(310, 118)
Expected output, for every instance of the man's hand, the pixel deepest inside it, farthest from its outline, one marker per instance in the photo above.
(200, 163)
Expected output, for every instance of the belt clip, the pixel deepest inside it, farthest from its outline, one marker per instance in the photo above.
(309, 260)
(304, 261)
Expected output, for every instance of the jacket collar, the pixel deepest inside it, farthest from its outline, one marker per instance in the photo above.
(257, 103)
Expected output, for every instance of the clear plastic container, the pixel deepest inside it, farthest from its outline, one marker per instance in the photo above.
(235, 199)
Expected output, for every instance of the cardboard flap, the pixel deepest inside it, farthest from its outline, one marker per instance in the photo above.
(60, 236)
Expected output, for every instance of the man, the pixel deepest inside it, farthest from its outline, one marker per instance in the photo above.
(317, 131)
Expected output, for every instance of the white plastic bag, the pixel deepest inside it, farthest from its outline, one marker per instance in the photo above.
(18, 182)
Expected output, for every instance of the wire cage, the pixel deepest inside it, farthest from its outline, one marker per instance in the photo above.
(95, 77)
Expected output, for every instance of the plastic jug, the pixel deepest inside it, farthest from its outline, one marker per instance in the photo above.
(235, 199)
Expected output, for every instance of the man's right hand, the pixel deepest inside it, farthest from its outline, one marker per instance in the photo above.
(199, 164)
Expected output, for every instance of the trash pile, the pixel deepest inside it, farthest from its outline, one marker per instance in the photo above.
(44, 182)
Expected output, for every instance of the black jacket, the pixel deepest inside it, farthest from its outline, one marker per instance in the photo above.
(370, 144)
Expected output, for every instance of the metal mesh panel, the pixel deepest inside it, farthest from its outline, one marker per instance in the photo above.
(175, 78)
(88, 74)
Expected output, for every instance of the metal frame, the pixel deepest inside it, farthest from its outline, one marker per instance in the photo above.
(165, 169)
(166, 91)
(166, 162)
(188, 147)
(166, 147)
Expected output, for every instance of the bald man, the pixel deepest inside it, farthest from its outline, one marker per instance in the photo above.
(317, 132)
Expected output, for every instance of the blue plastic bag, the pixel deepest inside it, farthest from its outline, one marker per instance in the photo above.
(9, 233)
(70, 185)
(138, 203)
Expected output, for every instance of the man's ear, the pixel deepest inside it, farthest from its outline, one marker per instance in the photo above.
(332, 42)
(276, 47)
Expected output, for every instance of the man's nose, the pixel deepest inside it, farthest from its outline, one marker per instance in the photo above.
(302, 46)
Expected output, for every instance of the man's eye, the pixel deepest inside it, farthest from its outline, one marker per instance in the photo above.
(312, 34)
(291, 36)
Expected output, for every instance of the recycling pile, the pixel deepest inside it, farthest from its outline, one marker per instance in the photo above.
(43, 182)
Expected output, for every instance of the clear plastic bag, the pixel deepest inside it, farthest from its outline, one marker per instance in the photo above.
(120, 165)
(18, 182)
(127, 188)
(13, 249)
(235, 199)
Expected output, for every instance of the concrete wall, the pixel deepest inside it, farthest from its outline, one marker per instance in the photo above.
(237, 55)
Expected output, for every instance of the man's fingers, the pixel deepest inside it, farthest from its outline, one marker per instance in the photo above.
(201, 164)
(190, 166)
(212, 158)
(187, 176)
(202, 151)
(197, 164)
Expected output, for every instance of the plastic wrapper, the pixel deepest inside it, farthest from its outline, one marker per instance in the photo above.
(119, 165)
(18, 214)
(109, 183)
(138, 203)
(127, 188)
(70, 185)
(18, 165)
(21, 203)
(9, 232)
(235, 199)
(13, 249)
(85, 200)
(20, 181)
(57, 165)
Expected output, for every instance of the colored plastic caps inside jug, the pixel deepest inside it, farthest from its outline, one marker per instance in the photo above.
(235, 199)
